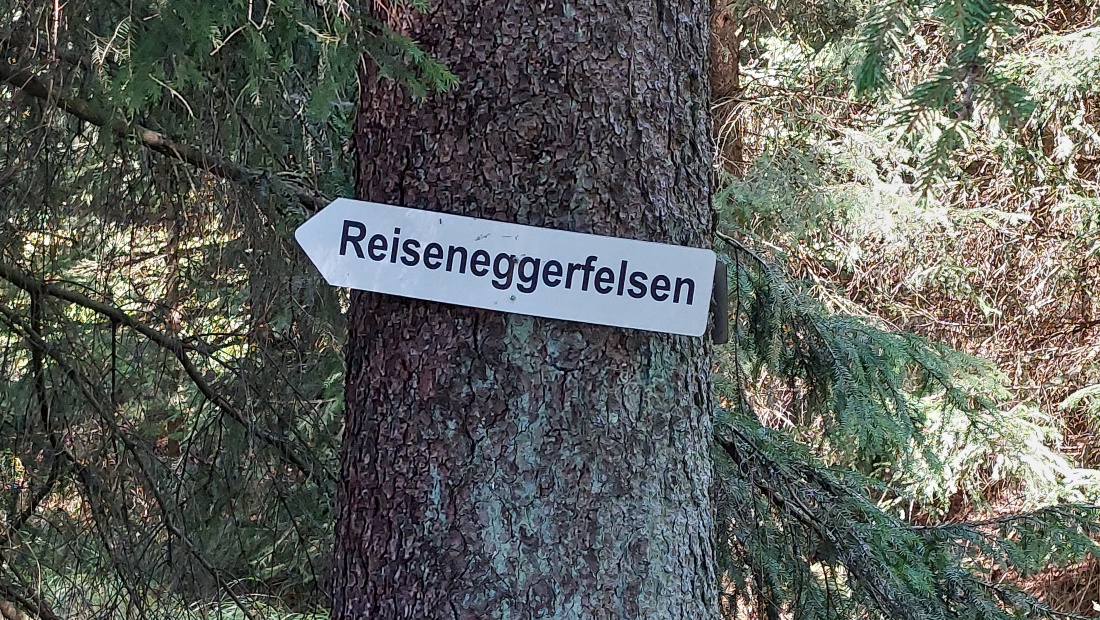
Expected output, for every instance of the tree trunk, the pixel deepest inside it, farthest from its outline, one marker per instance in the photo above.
(504, 466)
(725, 82)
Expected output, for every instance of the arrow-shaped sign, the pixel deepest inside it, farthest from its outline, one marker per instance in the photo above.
(510, 267)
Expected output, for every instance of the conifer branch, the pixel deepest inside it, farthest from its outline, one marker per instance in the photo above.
(38, 372)
(319, 475)
(18, 521)
(780, 487)
(39, 345)
(30, 603)
(1067, 511)
(42, 88)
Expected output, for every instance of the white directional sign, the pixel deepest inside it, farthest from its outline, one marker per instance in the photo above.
(509, 267)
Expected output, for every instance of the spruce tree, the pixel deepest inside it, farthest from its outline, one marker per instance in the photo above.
(504, 466)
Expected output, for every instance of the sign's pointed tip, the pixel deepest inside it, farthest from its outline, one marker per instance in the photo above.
(303, 234)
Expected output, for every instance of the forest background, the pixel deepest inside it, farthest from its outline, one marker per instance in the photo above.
(907, 194)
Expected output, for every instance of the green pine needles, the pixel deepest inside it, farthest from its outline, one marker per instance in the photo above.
(823, 496)
(960, 88)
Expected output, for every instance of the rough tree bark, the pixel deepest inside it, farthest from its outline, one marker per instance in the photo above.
(503, 466)
(725, 82)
